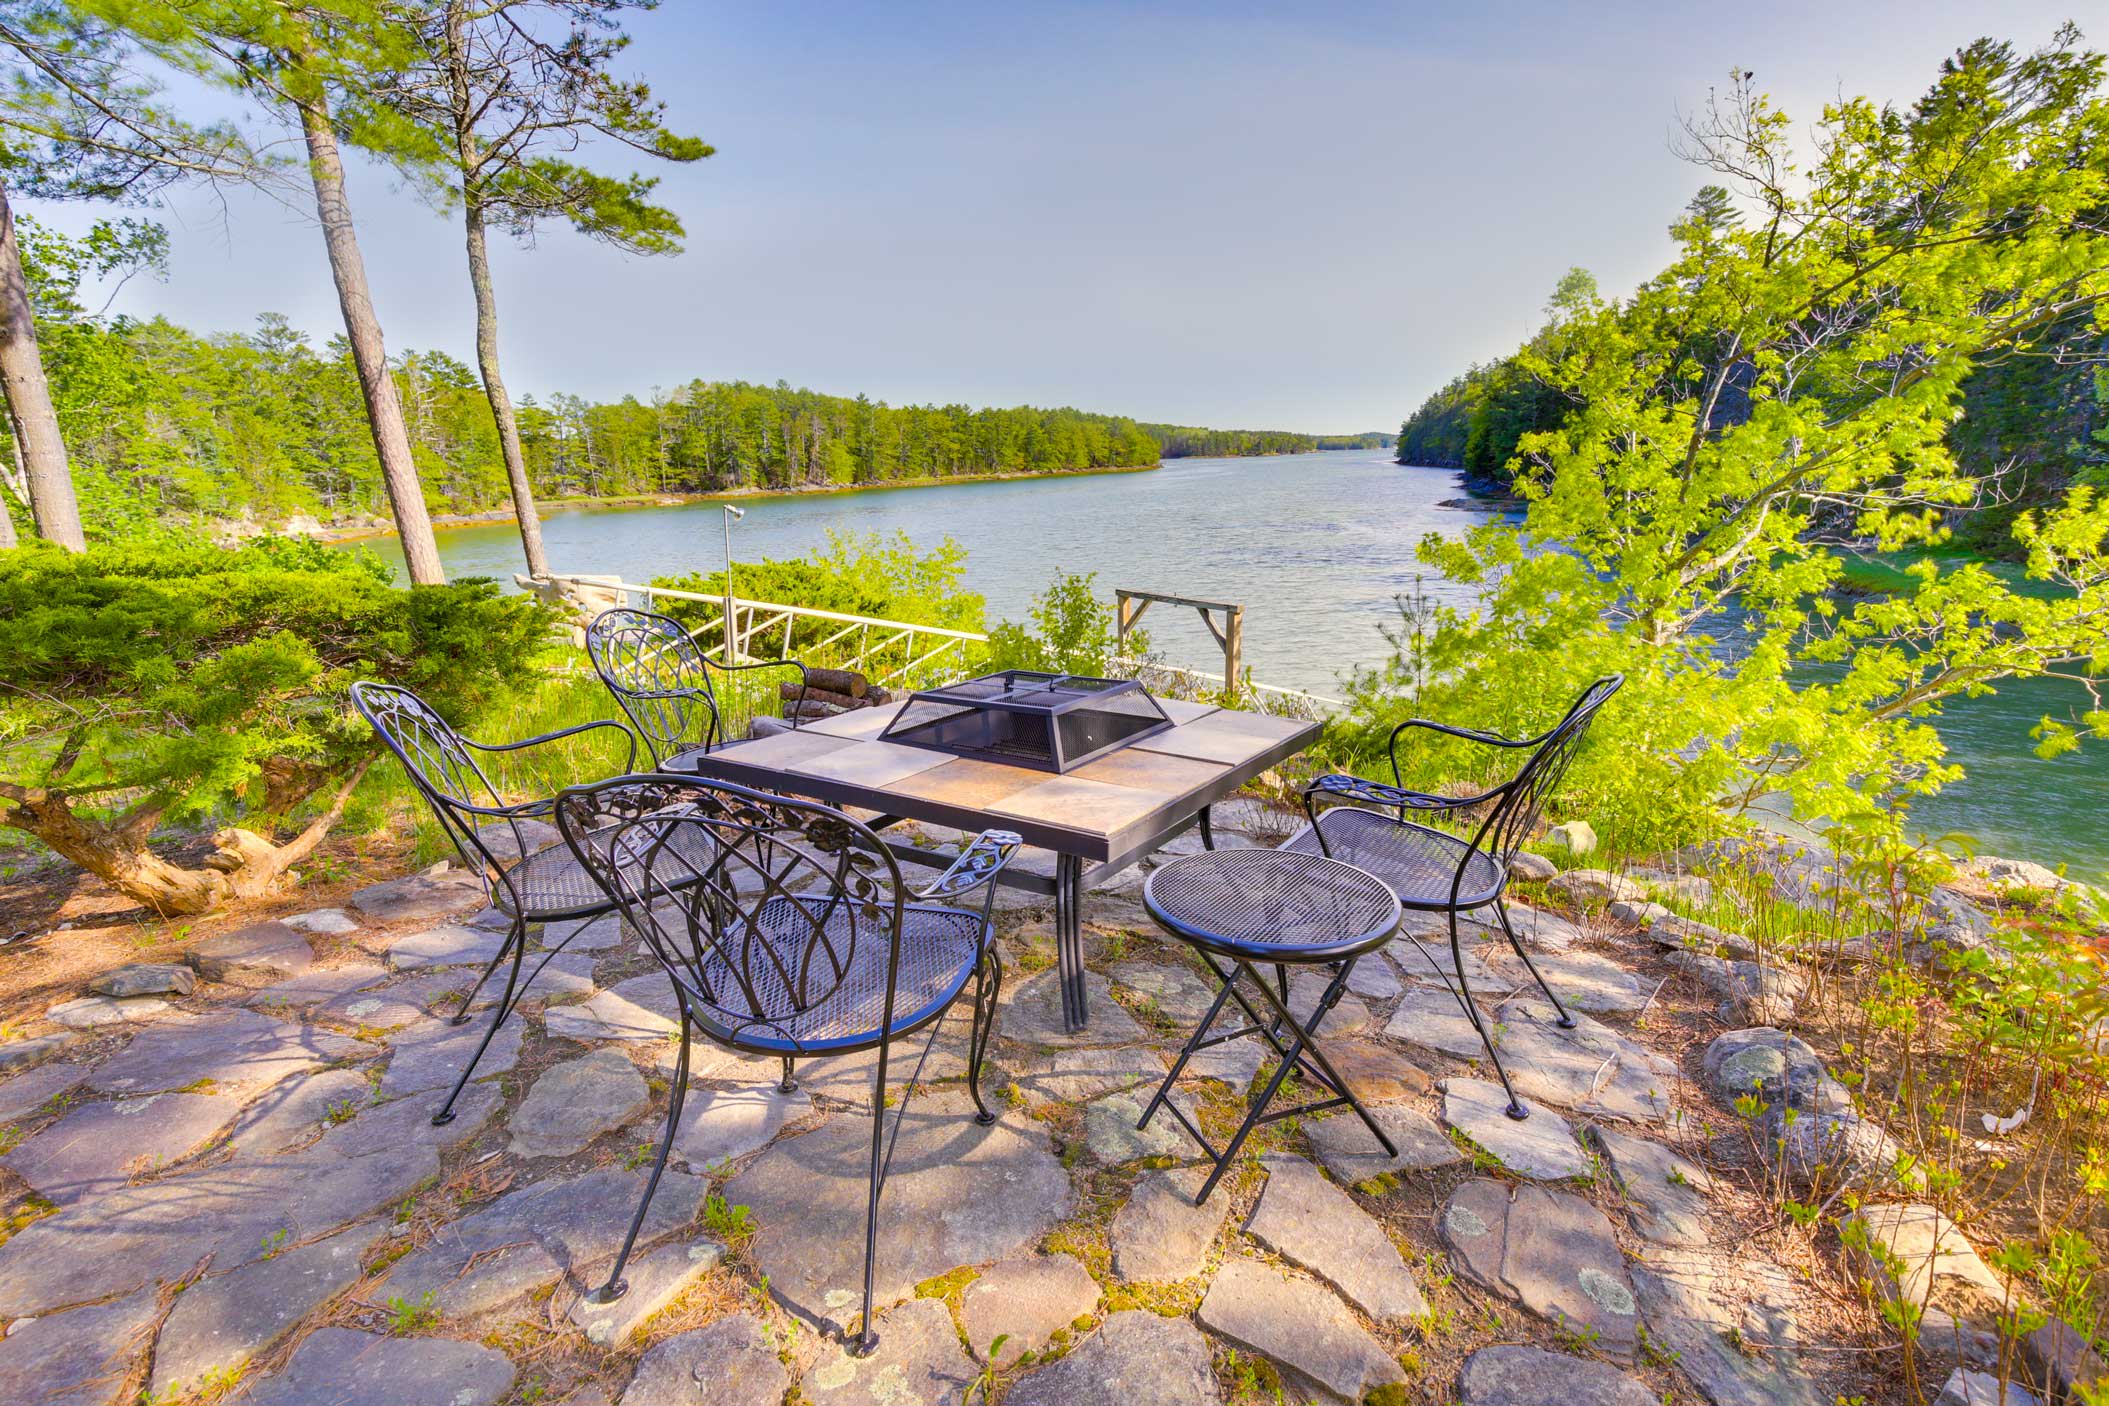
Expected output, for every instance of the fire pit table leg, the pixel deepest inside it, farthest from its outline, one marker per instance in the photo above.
(1069, 938)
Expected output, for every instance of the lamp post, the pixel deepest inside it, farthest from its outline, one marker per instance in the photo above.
(732, 639)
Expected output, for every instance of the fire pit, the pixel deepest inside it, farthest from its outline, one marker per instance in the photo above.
(1050, 722)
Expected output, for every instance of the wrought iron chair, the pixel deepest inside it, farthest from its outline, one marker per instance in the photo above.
(678, 699)
(787, 931)
(530, 877)
(1436, 871)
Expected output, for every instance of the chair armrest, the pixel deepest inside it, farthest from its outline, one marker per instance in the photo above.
(979, 863)
(1484, 739)
(1356, 788)
(628, 765)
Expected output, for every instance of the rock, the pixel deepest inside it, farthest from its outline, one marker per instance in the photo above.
(1694, 889)
(565, 974)
(656, 1278)
(33, 1091)
(573, 1103)
(1553, 1253)
(1135, 1359)
(958, 1193)
(339, 1365)
(1590, 1068)
(77, 1358)
(1540, 1147)
(1313, 1224)
(1534, 867)
(94, 1012)
(1936, 1265)
(1345, 1146)
(1538, 928)
(1528, 1376)
(1773, 1066)
(236, 1050)
(1347, 1016)
(448, 945)
(1585, 981)
(1663, 1191)
(1032, 1013)
(1160, 1235)
(1234, 1062)
(293, 1111)
(329, 921)
(1751, 990)
(1080, 1073)
(917, 1360)
(219, 1324)
(2058, 1360)
(1429, 1016)
(2002, 874)
(419, 897)
(314, 986)
(145, 979)
(430, 1055)
(1982, 1389)
(1642, 913)
(1837, 1148)
(731, 1362)
(1377, 1073)
(383, 1010)
(1740, 1350)
(1298, 1325)
(593, 935)
(640, 1009)
(513, 839)
(1582, 886)
(16, 1054)
(1112, 1137)
(1675, 930)
(1180, 993)
(256, 955)
(719, 1126)
(1577, 837)
(531, 1237)
(1024, 1302)
(98, 1147)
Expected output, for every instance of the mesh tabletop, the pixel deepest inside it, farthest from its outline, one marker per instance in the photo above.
(1274, 904)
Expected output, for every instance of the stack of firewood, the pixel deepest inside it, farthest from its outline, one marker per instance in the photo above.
(831, 691)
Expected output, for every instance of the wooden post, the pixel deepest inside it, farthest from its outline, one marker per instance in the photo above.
(1128, 607)
(1233, 650)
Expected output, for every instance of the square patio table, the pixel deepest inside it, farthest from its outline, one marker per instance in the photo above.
(1110, 812)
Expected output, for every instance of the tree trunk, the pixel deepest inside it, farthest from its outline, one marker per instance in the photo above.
(36, 424)
(502, 403)
(384, 411)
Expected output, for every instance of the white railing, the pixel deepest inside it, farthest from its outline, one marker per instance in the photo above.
(870, 639)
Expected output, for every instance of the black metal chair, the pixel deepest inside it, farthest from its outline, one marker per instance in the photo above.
(665, 684)
(529, 877)
(1244, 906)
(1436, 871)
(787, 931)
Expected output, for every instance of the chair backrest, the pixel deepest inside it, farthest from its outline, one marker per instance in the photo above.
(656, 671)
(1516, 812)
(759, 907)
(441, 767)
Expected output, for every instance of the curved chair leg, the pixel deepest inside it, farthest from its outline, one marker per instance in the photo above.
(518, 943)
(984, 1026)
(514, 946)
(1516, 1109)
(789, 1084)
(1501, 911)
(1208, 833)
(617, 1286)
(867, 1337)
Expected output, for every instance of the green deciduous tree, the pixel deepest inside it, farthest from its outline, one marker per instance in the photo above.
(1779, 400)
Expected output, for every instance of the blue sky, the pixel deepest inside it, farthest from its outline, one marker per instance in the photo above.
(1266, 216)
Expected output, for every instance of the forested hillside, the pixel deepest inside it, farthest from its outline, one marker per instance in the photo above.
(1189, 442)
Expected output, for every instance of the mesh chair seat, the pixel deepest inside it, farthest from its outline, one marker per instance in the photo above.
(1421, 865)
(551, 883)
(939, 950)
(1272, 905)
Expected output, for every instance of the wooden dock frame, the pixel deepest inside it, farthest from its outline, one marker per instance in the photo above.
(1128, 608)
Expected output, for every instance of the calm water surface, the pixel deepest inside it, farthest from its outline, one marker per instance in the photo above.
(1316, 547)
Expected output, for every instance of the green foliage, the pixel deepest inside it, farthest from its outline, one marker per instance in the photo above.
(1072, 632)
(182, 683)
(887, 577)
(1781, 393)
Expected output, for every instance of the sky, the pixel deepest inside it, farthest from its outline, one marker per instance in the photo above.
(1290, 216)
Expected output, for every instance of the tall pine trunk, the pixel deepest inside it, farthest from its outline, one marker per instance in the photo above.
(45, 473)
(384, 411)
(502, 403)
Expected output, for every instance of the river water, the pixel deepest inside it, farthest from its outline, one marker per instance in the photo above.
(1315, 546)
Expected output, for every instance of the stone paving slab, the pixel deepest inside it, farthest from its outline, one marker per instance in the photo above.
(418, 897)
(1377, 1073)
(1234, 1062)
(219, 1324)
(1665, 1193)
(1591, 1068)
(328, 921)
(642, 1008)
(99, 1012)
(918, 1359)
(1311, 1223)
(719, 1126)
(339, 1365)
(593, 935)
(1135, 1359)
(315, 985)
(1584, 981)
(958, 1193)
(1160, 1234)
(1376, 977)
(731, 1362)
(236, 1050)
(1729, 1327)
(1031, 1013)
(1430, 1017)
(1297, 1324)
(97, 1147)
(1024, 1302)
(1552, 1252)
(1541, 1146)
(1514, 1375)
(574, 1102)
(1084, 1072)
(448, 945)
(1348, 1016)
(656, 1278)
(1112, 1138)
(31, 1091)
(1179, 992)
(17, 1054)
(1345, 1146)
(256, 955)
(74, 1359)
(430, 1054)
